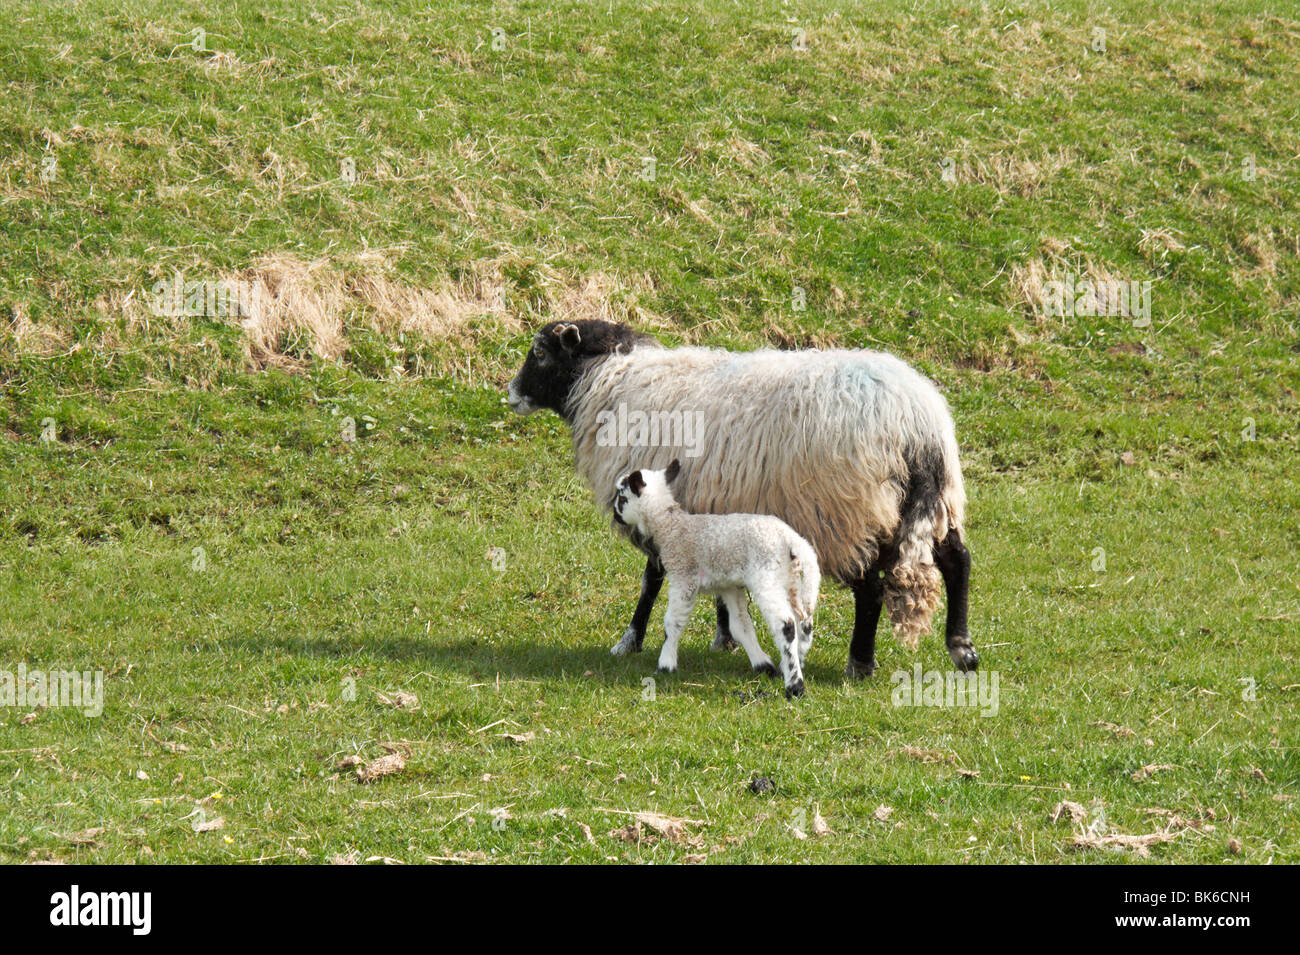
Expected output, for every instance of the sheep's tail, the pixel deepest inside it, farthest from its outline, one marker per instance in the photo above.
(912, 592)
(934, 504)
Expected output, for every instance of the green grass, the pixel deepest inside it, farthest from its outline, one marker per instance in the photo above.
(329, 565)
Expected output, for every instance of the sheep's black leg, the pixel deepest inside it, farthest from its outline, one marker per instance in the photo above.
(723, 640)
(651, 581)
(868, 593)
(954, 563)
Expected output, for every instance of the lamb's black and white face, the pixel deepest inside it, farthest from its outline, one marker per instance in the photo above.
(560, 353)
(630, 494)
(627, 499)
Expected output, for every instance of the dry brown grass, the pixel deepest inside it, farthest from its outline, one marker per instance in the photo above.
(1028, 280)
(744, 153)
(1012, 174)
(1158, 243)
(289, 298)
(286, 296)
(287, 307)
(1262, 250)
(29, 337)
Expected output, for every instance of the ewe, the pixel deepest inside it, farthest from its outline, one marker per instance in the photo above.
(855, 450)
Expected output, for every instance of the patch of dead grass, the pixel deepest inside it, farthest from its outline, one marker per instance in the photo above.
(1262, 251)
(1156, 244)
(1028, 280)
(289, 308)
(34, 338)
(1013, 174)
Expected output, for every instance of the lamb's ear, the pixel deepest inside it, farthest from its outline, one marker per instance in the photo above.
(570, 337)
(636, 483)
(674, 469)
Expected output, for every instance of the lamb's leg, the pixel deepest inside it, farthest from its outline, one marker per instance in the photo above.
(723, 640)
(805, 642)
(792, 657)
(782, 620)
(634, 635)
(868, 594)
(954, 564)
(736, 606)
(680, 602)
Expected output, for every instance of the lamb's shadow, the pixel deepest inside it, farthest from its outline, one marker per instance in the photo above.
(486, 661)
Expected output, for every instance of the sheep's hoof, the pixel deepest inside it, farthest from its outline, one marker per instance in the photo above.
(767, 668)
(723, 641)
(665, 669)
(628, 643)
(965, 657)
(794, 689)
(858, 670)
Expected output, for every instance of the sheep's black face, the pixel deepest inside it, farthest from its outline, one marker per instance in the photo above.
(560, 354)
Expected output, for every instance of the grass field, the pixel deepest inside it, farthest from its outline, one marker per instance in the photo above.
(407, 190)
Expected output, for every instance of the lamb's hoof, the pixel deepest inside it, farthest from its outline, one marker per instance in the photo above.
(664, 668)
(723, 641)
(767, 668)
(628, 643)
(858, 670)
(965, 657)
(794, 689)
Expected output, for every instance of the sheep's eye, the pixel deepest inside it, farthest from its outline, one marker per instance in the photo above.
(539, 353)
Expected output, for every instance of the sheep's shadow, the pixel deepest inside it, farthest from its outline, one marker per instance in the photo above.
(483, 660)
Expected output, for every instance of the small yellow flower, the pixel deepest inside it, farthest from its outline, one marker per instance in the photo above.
(1024, 779)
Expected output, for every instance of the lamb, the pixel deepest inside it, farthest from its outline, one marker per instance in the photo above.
(855, 450)
(725, 555)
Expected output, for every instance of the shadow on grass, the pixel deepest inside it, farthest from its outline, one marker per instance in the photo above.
(540, 662)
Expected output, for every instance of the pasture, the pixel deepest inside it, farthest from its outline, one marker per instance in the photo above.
(303, 534)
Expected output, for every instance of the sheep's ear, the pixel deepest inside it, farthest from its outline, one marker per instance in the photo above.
(674, 469)
(570, 337)
(636, 483)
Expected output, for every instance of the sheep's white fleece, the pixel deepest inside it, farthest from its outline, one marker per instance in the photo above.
(820, 439)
